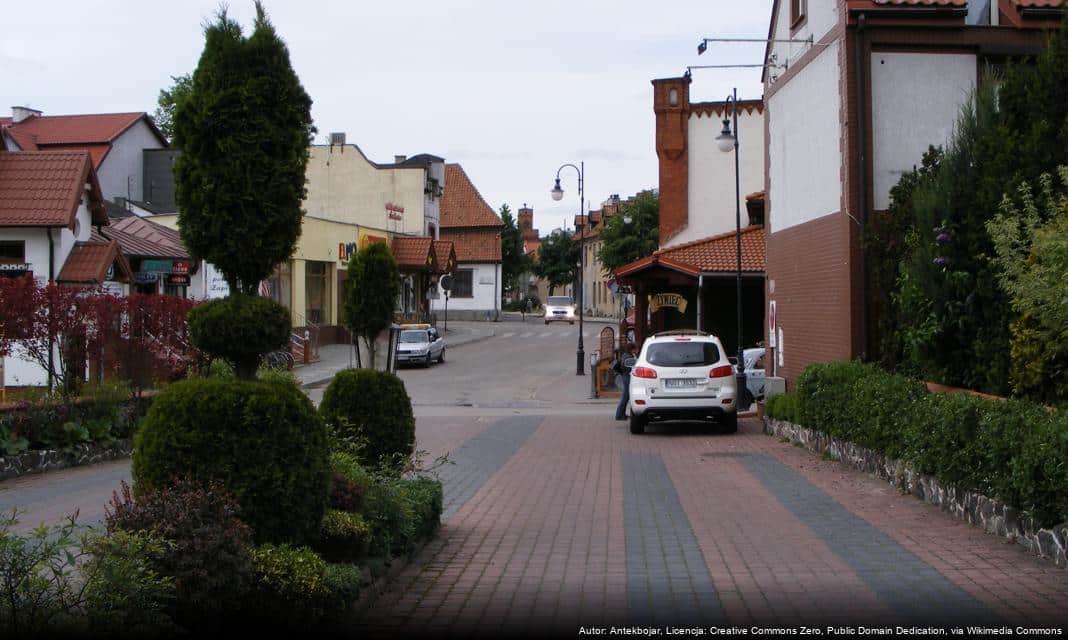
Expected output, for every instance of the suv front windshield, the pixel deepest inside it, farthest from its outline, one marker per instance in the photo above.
(413, 336)
(682, 354)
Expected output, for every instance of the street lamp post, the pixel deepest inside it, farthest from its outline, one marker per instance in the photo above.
(727, 140)
(558, 194)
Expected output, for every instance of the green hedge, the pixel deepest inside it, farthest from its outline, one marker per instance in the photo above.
(1012, 450)
(370, 412)
(262, 440)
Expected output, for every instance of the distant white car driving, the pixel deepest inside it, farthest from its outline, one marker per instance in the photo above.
(559, 309)
(683, 375)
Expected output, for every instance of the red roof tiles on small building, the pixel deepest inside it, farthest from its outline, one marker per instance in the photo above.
(444, 255)
(709, 255)
(88, 263)
(94, 132)
(44, 188)
(147, 239)
(461, 203)
(413, 252)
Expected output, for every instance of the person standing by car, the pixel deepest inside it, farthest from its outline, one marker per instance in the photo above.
(622, 366)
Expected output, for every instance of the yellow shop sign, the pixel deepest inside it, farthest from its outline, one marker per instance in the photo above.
(659, 301)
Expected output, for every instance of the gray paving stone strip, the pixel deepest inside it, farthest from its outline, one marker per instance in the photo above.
(915, 591)
(479, 458)
(668, 582)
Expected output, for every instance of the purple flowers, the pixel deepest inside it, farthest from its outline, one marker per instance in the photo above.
(941, 261)
(943, 238)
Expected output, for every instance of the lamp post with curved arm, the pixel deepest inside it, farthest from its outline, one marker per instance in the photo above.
(558, 193)
(726, 141)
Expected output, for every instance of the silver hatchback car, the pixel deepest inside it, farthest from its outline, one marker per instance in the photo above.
(683, 375)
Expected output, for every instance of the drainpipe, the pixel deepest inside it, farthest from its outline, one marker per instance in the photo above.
(862, 191)
(700, 288)
(51, 280)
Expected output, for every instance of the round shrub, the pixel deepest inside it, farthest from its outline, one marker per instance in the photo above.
(371, 409)
(262, 440)
(240, 328)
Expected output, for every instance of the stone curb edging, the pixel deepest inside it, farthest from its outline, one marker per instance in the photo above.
(54, 459)
(371, 591)
(992, 516)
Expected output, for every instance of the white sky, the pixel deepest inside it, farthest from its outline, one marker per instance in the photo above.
(510, 89)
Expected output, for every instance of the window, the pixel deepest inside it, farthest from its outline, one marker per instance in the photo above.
(978, 12)
(317, 292)
(682, 354)
(13, 251)
(798, 11)
(462, 284)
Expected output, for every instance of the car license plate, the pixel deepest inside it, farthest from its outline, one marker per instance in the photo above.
(559, 313)
(680, 383)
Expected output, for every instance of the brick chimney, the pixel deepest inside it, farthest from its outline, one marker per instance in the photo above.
(671, 104)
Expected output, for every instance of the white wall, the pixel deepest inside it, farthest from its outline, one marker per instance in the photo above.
(822, 17)
(916, 100)
(803, 151)
(711, 189)
(486, 289)
(125, 160)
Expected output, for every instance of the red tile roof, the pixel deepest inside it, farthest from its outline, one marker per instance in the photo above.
(708, 255)
(1038, 3)
(413, 252)
(461, 203)
(88, 263)
(44, 188)
(475, 244)
(444, 255)
(144, 238)
(94, 132)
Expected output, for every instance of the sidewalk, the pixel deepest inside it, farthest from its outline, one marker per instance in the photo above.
(338, 357)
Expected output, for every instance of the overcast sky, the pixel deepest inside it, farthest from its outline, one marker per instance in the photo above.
(509, 89)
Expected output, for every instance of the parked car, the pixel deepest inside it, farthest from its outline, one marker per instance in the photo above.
(420, 344)
(683, 375)
(559, 309)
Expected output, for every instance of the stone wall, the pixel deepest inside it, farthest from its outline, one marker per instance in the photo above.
(991, 515)
(52, 459)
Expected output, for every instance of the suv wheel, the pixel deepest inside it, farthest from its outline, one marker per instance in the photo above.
(637, 424)
(729, 422)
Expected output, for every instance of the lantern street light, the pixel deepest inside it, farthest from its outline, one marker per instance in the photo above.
(558, 194)
(727, 140)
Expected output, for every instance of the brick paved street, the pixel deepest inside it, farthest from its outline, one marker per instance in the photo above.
(585, 524)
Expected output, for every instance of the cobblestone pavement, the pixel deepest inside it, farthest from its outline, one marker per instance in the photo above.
(572, 521)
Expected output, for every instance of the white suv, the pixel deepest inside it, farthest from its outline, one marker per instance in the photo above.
(559, 309)
(683, 375)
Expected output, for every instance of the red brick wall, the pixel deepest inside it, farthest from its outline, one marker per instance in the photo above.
(809, 265)
(672, 131)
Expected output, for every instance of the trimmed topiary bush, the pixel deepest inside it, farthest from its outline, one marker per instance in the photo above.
(263, 441)
(240, 328)
(371, 411)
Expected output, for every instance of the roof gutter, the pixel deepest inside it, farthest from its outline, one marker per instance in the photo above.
(918, 12)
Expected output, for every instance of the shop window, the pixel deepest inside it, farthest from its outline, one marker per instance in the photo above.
(13, 251)
(462, 284)
(317, 292)
(281, 285)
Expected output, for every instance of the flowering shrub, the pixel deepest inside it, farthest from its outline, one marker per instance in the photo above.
(128, 335)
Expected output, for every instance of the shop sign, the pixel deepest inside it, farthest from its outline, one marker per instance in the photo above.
(394, 211)
(345, 250)
(11, 269)
(177, 280)
(163, 266)
(146, 277)
(660, 301)
(180, 266)
(366, 238)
